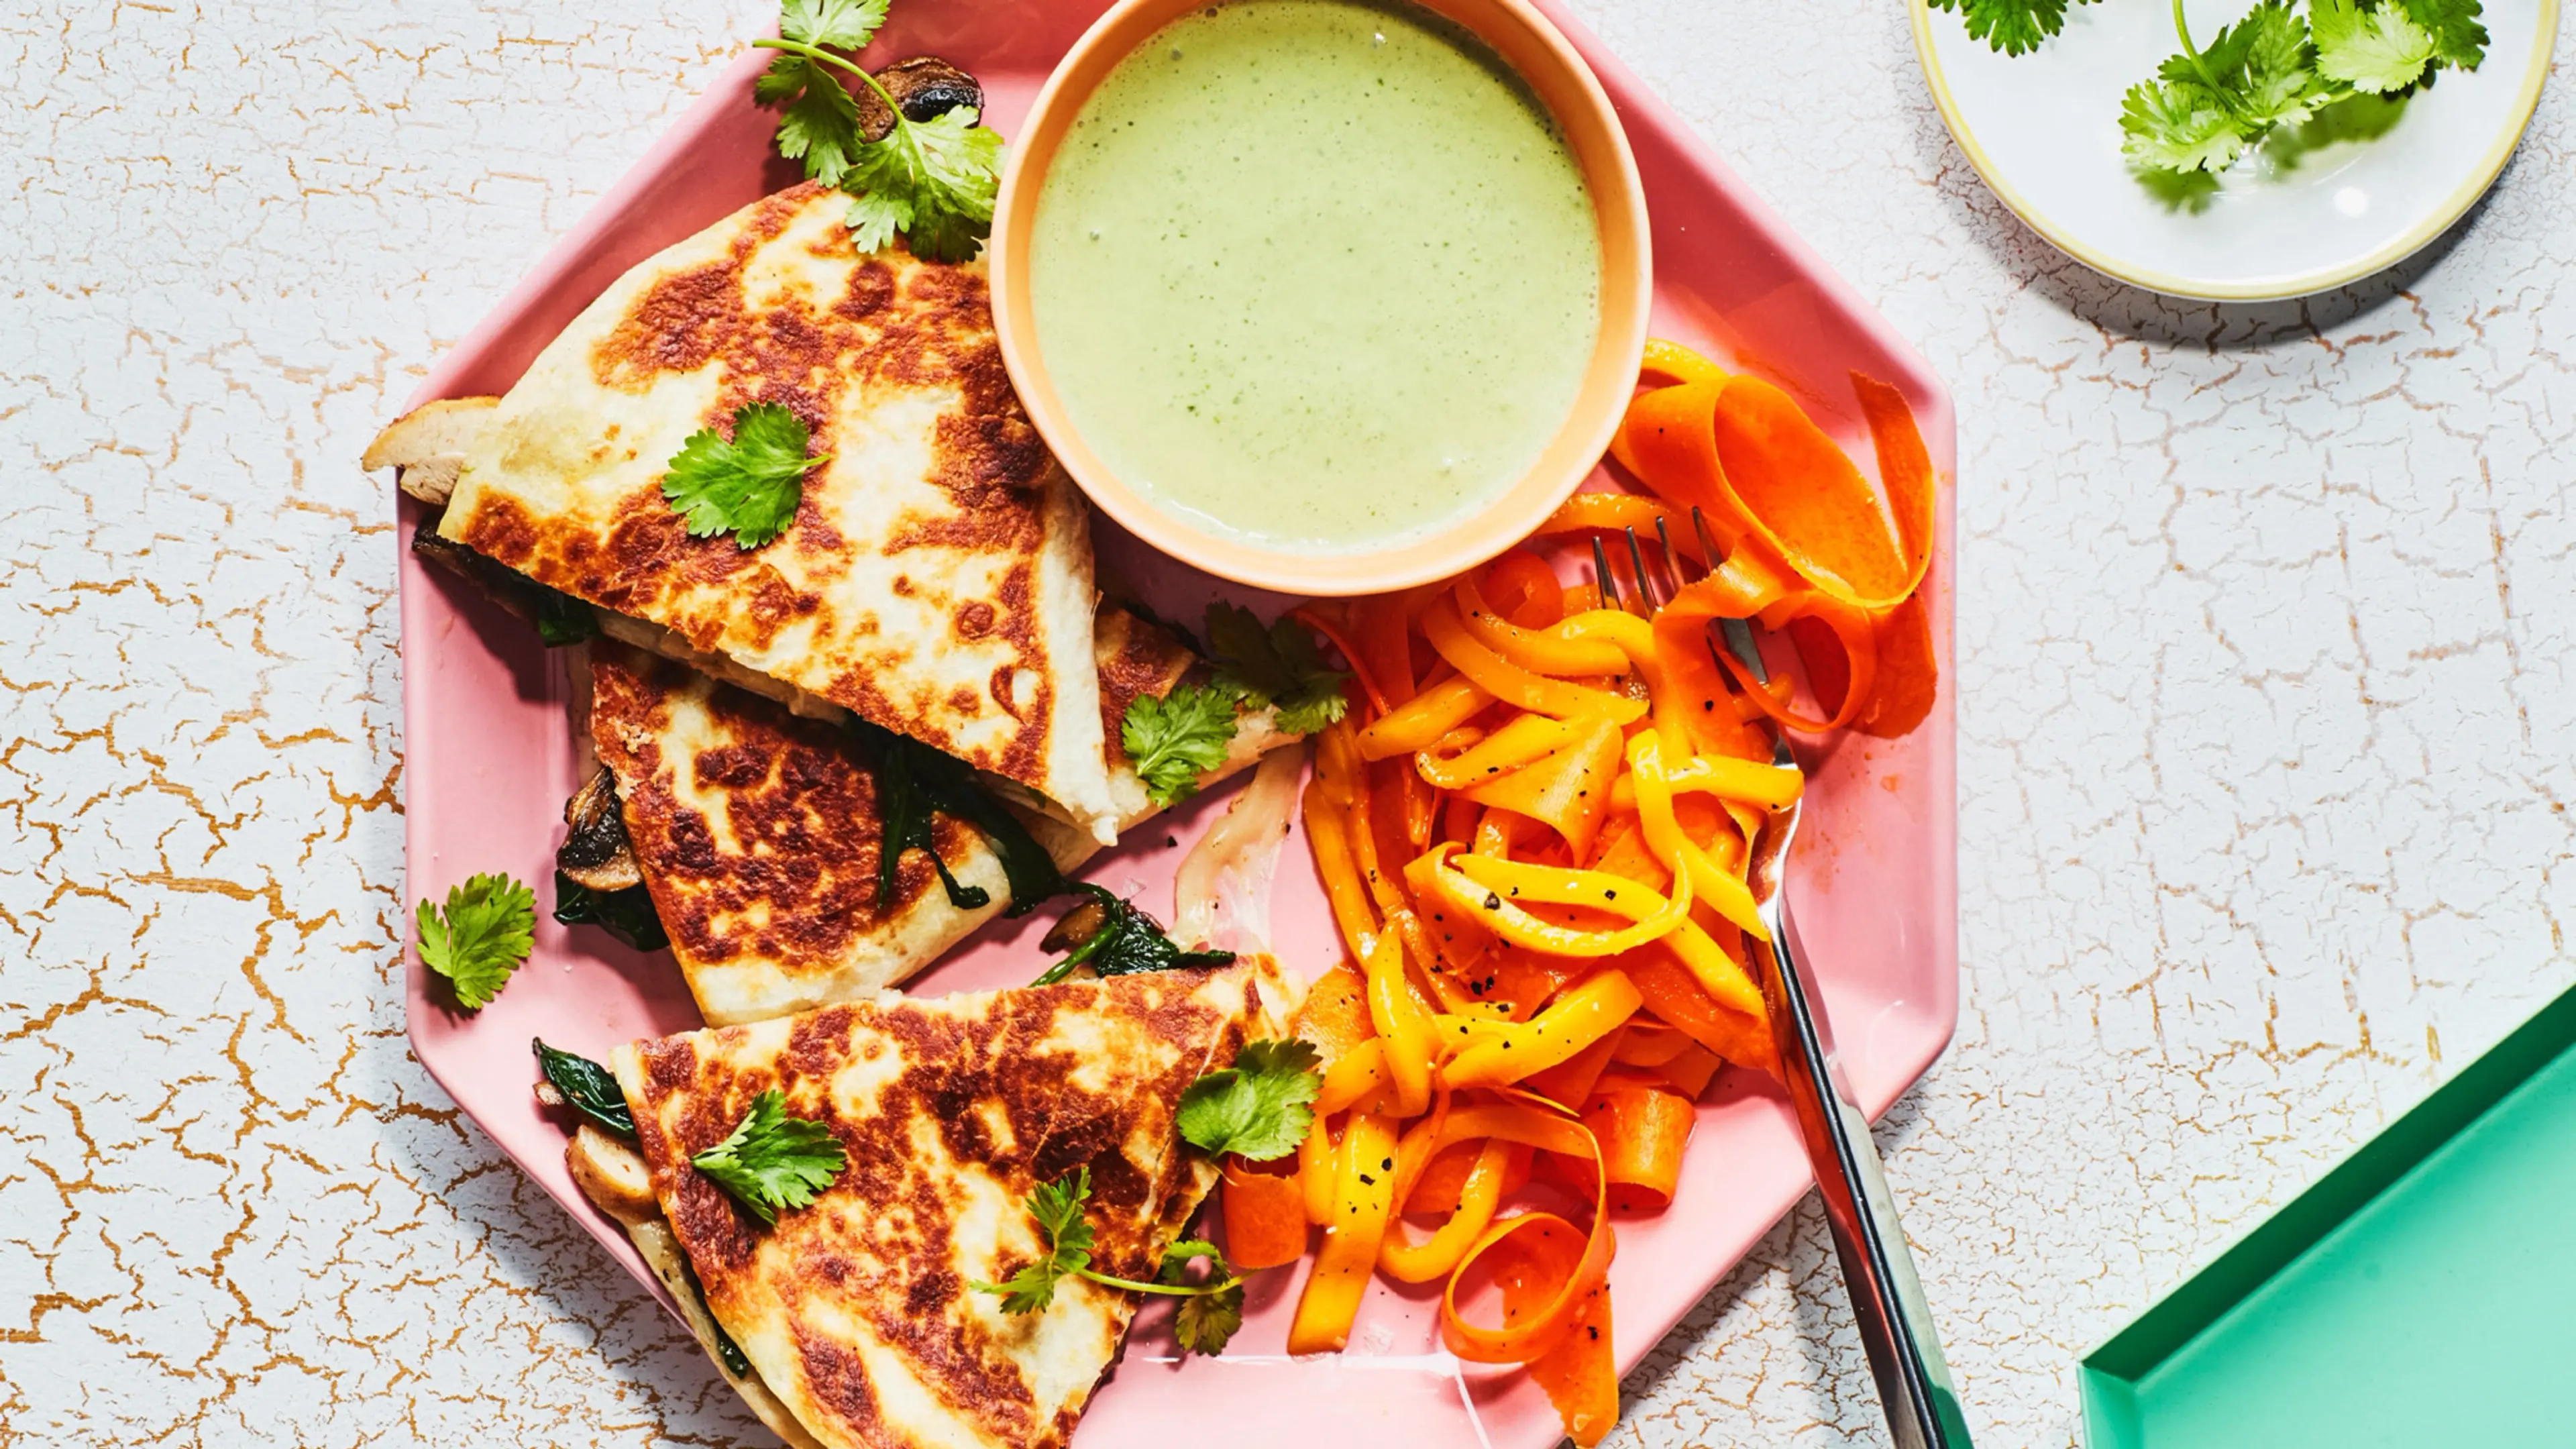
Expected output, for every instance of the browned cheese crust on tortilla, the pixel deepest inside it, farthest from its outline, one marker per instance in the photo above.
(936, 578)
(856, 1310)
(756, 832)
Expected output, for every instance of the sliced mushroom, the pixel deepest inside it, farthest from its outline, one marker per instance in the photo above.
(925, 86)
(595, 852)
(1075, 928)
(612, 1175)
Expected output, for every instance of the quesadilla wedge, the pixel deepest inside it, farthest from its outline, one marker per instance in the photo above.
(936, 576)
(854, 1315)
(758, 834)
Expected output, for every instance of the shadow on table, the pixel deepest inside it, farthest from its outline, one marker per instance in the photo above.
(2129, 313)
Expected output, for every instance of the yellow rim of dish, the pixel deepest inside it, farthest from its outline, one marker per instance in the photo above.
(2380, 259)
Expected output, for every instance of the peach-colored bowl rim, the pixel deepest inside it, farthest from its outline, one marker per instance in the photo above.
(1591, 126)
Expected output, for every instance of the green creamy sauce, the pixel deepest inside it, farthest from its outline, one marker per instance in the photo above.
(1315, 274)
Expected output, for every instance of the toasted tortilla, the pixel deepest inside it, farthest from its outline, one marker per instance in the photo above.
(856, 1311)
(756, 829)
(937, 577)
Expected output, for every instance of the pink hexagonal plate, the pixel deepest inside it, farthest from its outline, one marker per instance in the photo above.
(490, 763)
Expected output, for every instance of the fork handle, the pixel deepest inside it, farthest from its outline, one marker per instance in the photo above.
(1887, 1298)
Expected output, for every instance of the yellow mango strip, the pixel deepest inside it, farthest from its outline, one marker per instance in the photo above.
(1681, 364)
(1509, 922)
(1363, 1197)
(1509, 682)
(1725, 893)
(1541, 651)
(1419, 722)
(1569, 790)
(1406, 1261)
(1355, 1078)
(1616, 513)
(1404, 1032)
(1745, 780)
(1653, 913)
(1343, 888)
(1318, 1160)
(1498, 1053)
(1634, 638)
(1514, 745)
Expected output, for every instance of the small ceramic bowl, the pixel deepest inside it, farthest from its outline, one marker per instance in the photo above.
(1567, 88)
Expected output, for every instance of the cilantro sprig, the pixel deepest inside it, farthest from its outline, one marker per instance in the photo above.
(749, 484)
(2206, 107)
(1258, 1109)
(1211, 1307)
(1173, 740)
(480, 937)
(2011, 26)
(933, 181)
(773, 1162)
(1279, 668)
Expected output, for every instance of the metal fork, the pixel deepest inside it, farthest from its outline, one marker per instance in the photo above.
(1878, 1268)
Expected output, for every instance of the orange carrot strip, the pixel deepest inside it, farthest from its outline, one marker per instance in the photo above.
(1344, 891)
(1904, 471)
(1642, 1131)
(1355, 1078)
(1650, 1044)
(1406, 1261)
(1907, 672)
(1334, 1015)
(1579, 1375)
(1318, 1158)
(1265, 1217)
(1676, 998)
(1524, 589)
(1329, 618)
(1616, 513)
(1545, 1322)
(1363, 1194)
(1527, 738)
(1570, 1082)
(1798, 492)
(1690, 1072)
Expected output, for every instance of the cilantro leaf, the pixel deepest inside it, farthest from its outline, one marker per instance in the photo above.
(819, 122)
(2458, 39)
(1207, 1319)
(934, 181)
(773, 1161)
(586, 1087)
(2264, 68)
(1173, 740)
(1280, 667)
(841, 24)
(1258, 1109)
(480, 938)
(748, 484)
(2376, 50)
(2010, 26)
(2171, 125)
(1058, 1208)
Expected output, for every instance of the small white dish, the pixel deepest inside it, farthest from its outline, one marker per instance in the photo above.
(2308, 211)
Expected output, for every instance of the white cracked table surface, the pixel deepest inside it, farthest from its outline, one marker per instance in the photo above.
(2263, 685)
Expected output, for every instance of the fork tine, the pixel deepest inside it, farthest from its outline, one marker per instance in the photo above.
(1645, 581)
(1707, 546)
(1673, 557)
(1607, 586)
(1739, 642)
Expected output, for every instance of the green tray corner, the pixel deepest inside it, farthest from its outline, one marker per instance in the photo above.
(2422, 1293)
